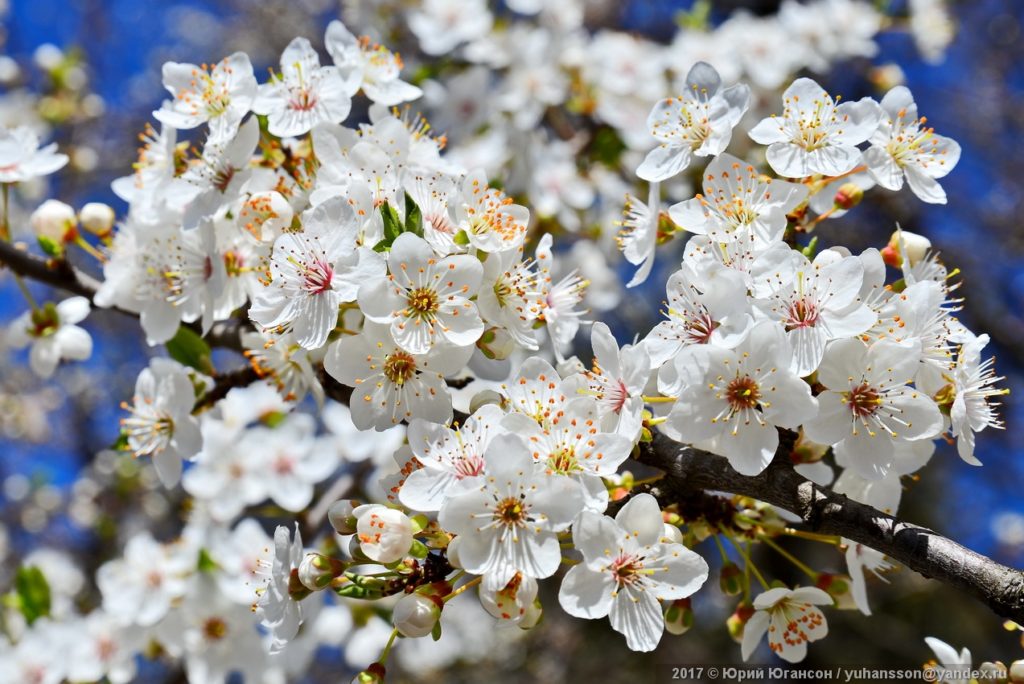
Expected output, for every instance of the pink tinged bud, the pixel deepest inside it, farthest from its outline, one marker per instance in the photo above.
(848, 196)
(55, 221)
(341, 516)
(1017, 672)
(385, 535)
(738, 621)
(916, 246)
(374, 674)
(840, 588)
(97, 218)
(415, 615)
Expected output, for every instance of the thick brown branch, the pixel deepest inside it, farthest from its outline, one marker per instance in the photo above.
(61, 274)
(920, 549)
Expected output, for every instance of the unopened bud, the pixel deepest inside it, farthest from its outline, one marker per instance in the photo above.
(56, 221)
(97, 218)
(840, 588)
(848, 196)
(483, 398)
(916, 247)
(738, 621)
(374, 674)
(1016, 672)
(679, 617)
(496, 344)
(317, 570)
(415, 615)
(730, 579)
(341, 516)
(452, 553)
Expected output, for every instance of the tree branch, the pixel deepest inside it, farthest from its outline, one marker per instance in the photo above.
(920, 549)
(62, 274)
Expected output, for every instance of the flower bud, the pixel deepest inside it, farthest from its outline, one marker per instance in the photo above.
(452, 553)
(374, 674)
(483, 398)
(1017, 672)
(679, 617)
(342, 519)
(916, 247)
(415, 615)
(385, 535)
(97, 218)
(56, 221)
(496, 344)
(848, 196)
(317, 570)
(840, 588)
(671, 535)
(730, 579)
(738, 621)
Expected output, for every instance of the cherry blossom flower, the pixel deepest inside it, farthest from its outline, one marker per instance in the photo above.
(391, 384)
(731, 400)
(511, 297)
(424, 299)
(617, 380)
(816, 302)
(313, 272)
(571, 443)
(559, 312)
(140, 587)
(969, 383)
(627, 570)
(708, 309)
(104, 649)
(510, 522)
(449, 457)
(304, 93)
(369, 66)
(639, 235)
(220, 95)
(442, 25)
(814, 134)
(280, 613)
(698, 122)
(53, 334)
(737, 201)
(491, 221)
(903, 147)
(792, 620)
(385, 534)
(516, 603)
(868, 406)
(21, 158)
(161, 424)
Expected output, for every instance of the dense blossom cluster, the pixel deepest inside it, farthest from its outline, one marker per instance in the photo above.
(366, 264)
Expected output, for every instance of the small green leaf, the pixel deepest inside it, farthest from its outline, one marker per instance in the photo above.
(32, 592)
(206, 562)
(413, 217)
(189, 349)
(51, 247)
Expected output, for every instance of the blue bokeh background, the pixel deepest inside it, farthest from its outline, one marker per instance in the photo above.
(974, 96)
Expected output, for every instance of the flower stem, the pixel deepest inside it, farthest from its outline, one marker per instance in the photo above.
(387, 647)
(659, 400)
(471, 583)
(750, 563)
(25, 291)
(812, 536)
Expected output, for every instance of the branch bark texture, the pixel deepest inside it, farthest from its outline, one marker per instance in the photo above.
(822, 510)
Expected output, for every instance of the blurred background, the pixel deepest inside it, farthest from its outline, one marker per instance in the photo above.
(87, 73)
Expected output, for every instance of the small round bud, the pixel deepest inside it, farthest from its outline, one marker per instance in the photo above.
(1017, 672)
(916, 247)
(316, 571)
(452, 553)
(483, 398)
(56, 221)
(848, 196)
(415, 615)
(374, 674)
(97, 218)
(730, 579)
(496, 344)
(679, 617)
(341, 516)
(385, 535)
(738, 621)
(840, 588)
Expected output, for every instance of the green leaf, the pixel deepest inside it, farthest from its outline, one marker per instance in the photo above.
(206, 562)
(392, 223)
(413, 217)
(32, 592)
(189, 349)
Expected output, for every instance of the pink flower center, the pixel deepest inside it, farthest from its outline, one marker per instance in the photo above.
(626, 569)
(863, 400)
(470, 465)
(317, 276)
(802, 313)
